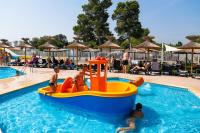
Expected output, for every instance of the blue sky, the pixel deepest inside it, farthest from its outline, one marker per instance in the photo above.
(168, 20)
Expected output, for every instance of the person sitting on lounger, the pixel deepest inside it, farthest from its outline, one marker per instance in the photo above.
(145, 67)
(135, 114)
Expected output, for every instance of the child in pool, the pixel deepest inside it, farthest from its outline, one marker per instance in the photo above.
(53, 81)
(17, 73)
(135, 114)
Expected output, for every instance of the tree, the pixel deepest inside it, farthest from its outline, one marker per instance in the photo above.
(59, 40)
(4, 41)
(16, 43)
(92, 26)
(26, 40)
(84, 30)
(195, 38)
(128, 25)
(198, 40)
(133, 41)
(178, 44)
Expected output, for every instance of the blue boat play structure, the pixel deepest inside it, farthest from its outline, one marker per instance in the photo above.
(101, 97)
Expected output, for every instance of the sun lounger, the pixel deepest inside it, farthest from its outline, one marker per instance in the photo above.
(197, 73)
(155, 67)
(145, 69)
(43, 64)
(182, 72)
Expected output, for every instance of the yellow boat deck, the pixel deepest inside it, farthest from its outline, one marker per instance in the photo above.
(114, 89)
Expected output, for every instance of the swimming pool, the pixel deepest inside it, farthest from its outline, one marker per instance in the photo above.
(166, 109)
(6, 72)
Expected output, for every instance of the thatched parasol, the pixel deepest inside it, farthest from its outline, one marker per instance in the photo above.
(76, 45)
(135, 50)
(48, 46)
(191, 45)
(148, 46)
(14, 48)
(25, 46)
(90, 50)
(192, 37)
(56, 50)
(4, 46)
(188, 51)
(109, 45)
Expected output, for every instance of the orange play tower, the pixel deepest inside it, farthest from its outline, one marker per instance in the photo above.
(99, 78)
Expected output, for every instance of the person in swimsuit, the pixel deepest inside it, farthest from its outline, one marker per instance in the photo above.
(135, 114)
(53, 81)
(80, 77)
(145, 67)
(125, 62)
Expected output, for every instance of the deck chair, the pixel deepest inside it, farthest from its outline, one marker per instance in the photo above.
(197, 73)
(181, 72)
(144, 69)
(43, 64)
(155, 67)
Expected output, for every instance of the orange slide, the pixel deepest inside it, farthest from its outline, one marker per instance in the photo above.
(67, 86)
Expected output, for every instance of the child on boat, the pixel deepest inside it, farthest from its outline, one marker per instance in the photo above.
(79, 79)
(53, 81)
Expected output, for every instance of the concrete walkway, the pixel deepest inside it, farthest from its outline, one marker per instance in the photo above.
(43, 74)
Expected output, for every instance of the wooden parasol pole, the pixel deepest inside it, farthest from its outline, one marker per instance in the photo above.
(48, 58)
(25, 54)
(192, 62)
(77, 56)
(186, 57)
(148, 54)
(110, 55)
(5, 54)
(90, 55)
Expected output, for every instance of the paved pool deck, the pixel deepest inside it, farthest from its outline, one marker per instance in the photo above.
(43, 74)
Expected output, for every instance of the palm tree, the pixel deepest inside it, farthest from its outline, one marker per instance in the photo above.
(4, 41)
(26, 40)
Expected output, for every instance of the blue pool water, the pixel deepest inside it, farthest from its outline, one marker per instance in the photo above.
(166, 109)
(6, 72)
